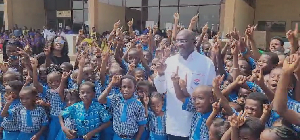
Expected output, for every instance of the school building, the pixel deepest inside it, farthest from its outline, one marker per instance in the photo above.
(274, 17)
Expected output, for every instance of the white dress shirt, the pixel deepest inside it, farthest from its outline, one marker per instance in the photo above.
(200, 70)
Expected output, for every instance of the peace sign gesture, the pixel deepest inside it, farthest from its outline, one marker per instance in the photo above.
(291, 63)
(183, 83)
(174, 77)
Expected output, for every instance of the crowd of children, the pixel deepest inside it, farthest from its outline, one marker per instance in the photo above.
(109, 94)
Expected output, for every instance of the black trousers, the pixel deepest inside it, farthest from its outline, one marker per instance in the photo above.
(171, 137)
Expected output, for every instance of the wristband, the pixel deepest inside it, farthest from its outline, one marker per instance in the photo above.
(245, 52)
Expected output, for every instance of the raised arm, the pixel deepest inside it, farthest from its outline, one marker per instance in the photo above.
(290, 64)
(160, 80)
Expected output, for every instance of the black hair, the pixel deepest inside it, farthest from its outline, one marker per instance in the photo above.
(32, 90)
(72, 92)
(10, 42)
(143, 83)
(90, 84)
(221, 125)
(138, 70)
(279, 39)
(16, 75)
(53, 68)
(274, 57)
(259, 97)
(16, 85)
(255, 126)
(284, 132)
(157, 95)
(129, 77)
(68, 65)
(65, 49)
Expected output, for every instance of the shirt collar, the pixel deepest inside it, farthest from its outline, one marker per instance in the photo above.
(128, 100)
(190, 57)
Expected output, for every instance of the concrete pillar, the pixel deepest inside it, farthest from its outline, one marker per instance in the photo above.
(93, 14)
(8, 14)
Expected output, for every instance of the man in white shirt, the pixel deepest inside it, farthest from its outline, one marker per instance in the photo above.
(199, 70)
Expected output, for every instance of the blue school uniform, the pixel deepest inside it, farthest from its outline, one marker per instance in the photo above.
(125, 66)
(2, 92)
(10, 123)
(69, 123)
(199, 129)
(128, 116)
(108, 133)
(56, 107)
(157, 126)
(87, 120)
(31, 121)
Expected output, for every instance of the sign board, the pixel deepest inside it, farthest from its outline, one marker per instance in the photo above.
(169, 26)
(150, 24)
(60, 25)
(63, 13)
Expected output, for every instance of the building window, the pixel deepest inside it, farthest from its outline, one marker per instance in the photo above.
(80, 14)
(294, 24)
(272, 26)
(161, 11)
(1, 1)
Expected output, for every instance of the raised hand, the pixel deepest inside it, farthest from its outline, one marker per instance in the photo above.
(175, 77)
(131, 67)
(176, 16)
(195, 19)
(240, 80)
(267, 108)
(205, 28)
(217, 81)
(117, 25)
(116, 79)
(34, 63)
(130, 23)
(216, 106)
(234, 49)
(183, 83)
(291, 63)
(65, 75)
(160, 68)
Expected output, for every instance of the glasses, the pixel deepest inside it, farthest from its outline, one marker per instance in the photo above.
(59, 41)
(181, 41)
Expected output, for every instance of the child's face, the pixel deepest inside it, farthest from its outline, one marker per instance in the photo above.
(243, 94)
(268, 134)
(154, 62)
(88, 74)
(139, 75)
(253, 108)
(94, 61)
(144, 39)
(9, 90)
(133, 57)
(86, 93)
(53, 80)
(127, 88)
(265, 63)
(141, 90)
(202, 101)
(246, 134)
(43, 74)
(27, 98)
(71, 99)
(244, 67)
(228, 65)
(8, 77)
(206, 48)
(275, 45)
(274, 78)
(147, 56)
(11, 50)
(156, 105)
(64, 68)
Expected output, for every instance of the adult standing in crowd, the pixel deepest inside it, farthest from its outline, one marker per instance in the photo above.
(198, 70)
